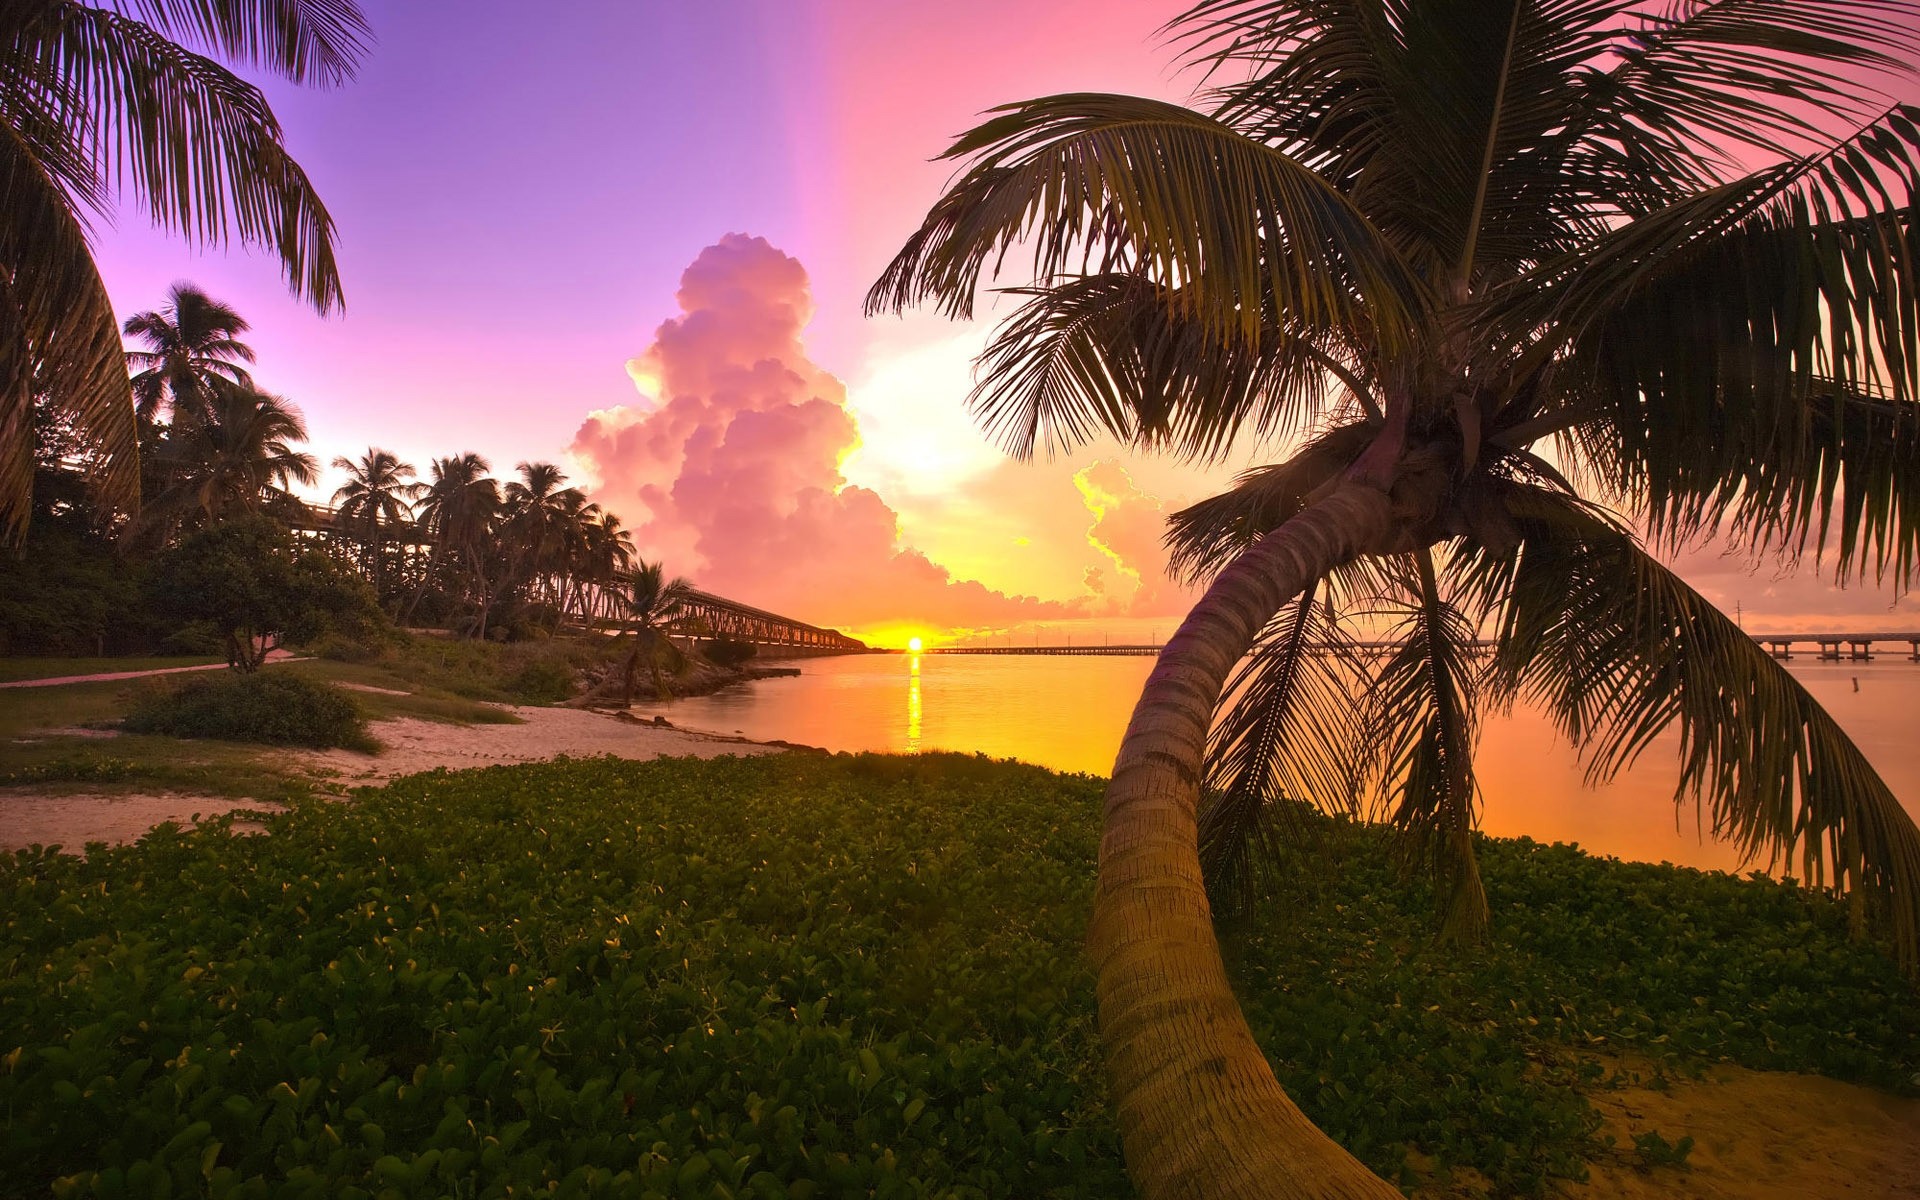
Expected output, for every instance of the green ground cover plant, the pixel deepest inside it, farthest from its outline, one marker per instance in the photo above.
(278, 708)
(812, 976)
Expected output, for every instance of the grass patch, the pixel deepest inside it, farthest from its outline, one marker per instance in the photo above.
(24, 711)
(277, 708)
(806, 976)
(414, 699)
(13, 669)
(135, 763)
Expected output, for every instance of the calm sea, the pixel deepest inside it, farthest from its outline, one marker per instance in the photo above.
(1068, 713)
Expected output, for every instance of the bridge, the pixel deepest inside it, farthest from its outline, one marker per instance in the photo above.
(743, 623)
(1827, 645)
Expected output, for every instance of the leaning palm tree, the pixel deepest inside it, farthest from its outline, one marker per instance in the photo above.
(193, 344)
(97, 101)
(243, 460)
(377, 498)
(1493, 266)
(655, 606)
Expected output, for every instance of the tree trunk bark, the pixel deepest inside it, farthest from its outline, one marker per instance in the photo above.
(1201, 1114)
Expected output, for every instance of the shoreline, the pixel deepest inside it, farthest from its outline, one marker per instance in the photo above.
(34, 815)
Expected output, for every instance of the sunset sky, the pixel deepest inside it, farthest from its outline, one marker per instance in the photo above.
(635, 242)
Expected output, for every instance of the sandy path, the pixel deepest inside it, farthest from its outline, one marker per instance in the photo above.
(1763, 1135)
(273, 656)
(415, 745)
(29, 817)
(71, 821)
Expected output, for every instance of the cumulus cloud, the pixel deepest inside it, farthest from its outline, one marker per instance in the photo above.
(1128, 525)
(730, 465)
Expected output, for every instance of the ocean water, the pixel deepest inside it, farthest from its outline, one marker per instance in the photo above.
(1068, 713)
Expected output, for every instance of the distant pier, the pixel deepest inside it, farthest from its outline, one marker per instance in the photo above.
(1823, 646)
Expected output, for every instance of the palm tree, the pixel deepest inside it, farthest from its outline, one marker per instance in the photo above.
(1501, 263)
(608, 553)
(458, 512)
(540, 517)
(193, 342)
(243, 459)
(94, 102)
(377, 496)
(655, 606)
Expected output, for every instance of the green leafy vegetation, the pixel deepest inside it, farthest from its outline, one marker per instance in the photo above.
(811, 976)
(279, 708)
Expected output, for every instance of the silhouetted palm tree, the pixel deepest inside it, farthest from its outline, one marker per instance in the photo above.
(458, 513)
(243, 459)
(94, 103)
(193, 345)
(377, 497)
(1438, 235)
(655, 606)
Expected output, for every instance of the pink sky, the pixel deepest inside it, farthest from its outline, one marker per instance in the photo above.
(518, 201)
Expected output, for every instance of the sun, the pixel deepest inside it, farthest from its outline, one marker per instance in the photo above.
(915, 645)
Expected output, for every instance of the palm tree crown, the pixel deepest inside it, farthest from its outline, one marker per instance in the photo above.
(93, 101)
(244, 458)
(193, 341)
(1498, 269)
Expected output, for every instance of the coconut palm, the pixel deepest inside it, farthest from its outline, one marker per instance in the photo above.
(96, 103)
(608, 553)
(655, 606)
(458, 512)
(377, 498)
(243, 459)
(1501, 263)
(193, 343)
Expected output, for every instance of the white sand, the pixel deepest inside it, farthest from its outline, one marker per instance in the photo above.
(415, 745)
(29, 816)
(71, 821)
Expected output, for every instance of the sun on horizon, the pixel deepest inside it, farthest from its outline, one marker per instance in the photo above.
(915, 645)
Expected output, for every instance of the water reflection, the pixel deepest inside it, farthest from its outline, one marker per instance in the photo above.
(1068, 713)
(913, 704)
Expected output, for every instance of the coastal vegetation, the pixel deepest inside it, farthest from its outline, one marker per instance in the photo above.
(805, 975)
(1498, 273)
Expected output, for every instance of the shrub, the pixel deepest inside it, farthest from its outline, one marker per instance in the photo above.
(541, 681)
(276, 707)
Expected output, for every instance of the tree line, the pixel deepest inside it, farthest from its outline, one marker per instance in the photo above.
(457, 547)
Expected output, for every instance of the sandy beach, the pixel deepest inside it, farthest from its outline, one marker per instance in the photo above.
(29, 816)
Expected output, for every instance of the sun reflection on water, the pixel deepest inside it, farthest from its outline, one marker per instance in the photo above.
(913, 704)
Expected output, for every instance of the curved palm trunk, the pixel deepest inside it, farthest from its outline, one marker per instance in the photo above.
(1201, 1115)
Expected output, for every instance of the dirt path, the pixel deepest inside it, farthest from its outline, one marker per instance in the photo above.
(273, 656)
(414, 745)
(30, 816)
(1762, 1135)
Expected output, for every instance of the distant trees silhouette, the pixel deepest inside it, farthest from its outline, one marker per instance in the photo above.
(485, 557)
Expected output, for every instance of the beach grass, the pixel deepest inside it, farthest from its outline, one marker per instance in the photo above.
(809, 975)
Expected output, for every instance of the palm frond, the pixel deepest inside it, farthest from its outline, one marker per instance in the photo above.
(1618, 649)
(200, 147)
(1286, 734)
(1106, 183)
(306, 41)
(58, 337)
(1202, 538)
(1116, 353)
(1423, 704)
